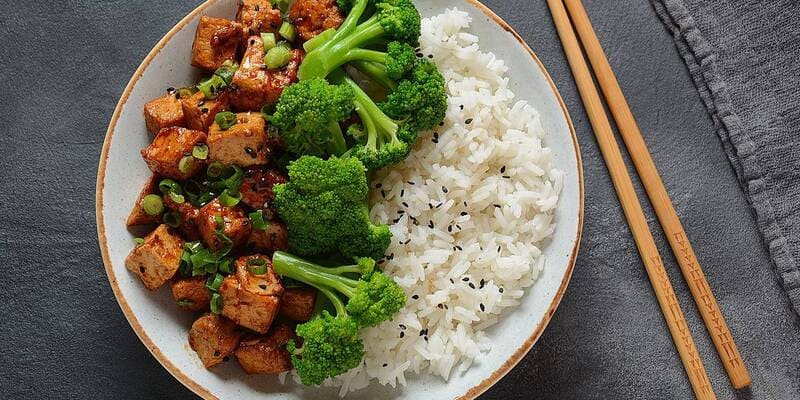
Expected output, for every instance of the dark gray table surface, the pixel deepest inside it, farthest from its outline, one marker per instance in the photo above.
(65, 64)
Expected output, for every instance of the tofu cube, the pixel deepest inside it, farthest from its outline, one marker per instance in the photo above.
(266, 354)
(236, 225)
(254, 85)
(164, 154)
(312, 17)
(137, 216)
(298, 304)
(258, 16)
(213, 338)
(274, 238)
(191, 294)
(200, 112)
(157, 259)
(216, 41)
(251, 300)
(189, 217)
(164, 112)
(243, 144)
(257, 187)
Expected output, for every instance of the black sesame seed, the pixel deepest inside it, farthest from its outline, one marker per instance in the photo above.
(430, 55)
(204, 111)
(396, 220)
(201, 103)
(459, 248)
(403, 327)
(217, 353)
(471, 285)
(501, 290)
(503, 169)
(458, 226)
(402, 192)
(498, 249)
(450, 228)
(439, 205)
(430, 206)
(170, 90)
(383, 193)
(226, 359)
(401, 211)
(468, 121)
(419, 55)
(483, 308)
(452, 281)
(252, 42)
(461, 106)
(378, 185)
(430, 224)
(464, 213)
(436, 134)
(483, 282)
(506, 177)
(405, 204)
(441, 123)
(426, 338)
(440, 306)
(415, 297)
(385, 365)
(423, 332)
(465, 279)
(252, 153)
(444, 189)
(402, 334)
(435, 140)
(263, 286)
(411, 183)
(497, 206)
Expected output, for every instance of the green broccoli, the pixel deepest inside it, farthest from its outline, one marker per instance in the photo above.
(421, 97)
(330, 343)
(308, 114)
(324, 205)
(394, 20)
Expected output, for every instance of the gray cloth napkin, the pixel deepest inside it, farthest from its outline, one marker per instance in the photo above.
(744, 57)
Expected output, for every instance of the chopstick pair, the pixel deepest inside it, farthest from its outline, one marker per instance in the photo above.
(659, 198)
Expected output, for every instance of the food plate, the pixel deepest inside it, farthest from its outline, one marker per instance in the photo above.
(163, 329)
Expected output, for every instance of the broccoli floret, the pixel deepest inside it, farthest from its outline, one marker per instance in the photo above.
(393, 20)
(324, 205)
(421, 97)
(330, 343)
(308, 114)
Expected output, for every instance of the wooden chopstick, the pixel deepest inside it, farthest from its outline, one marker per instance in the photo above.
(659, 198)
(630, 204)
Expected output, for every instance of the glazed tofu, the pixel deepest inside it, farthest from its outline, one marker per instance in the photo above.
(236, 225)
(191, 294)
(137, 216)
(200, 112)
(298, 304)
(258, 16)
(267, 354)
(189, 217)
(213, 338)
(312, 17)
(257, 187)
(216, 41)
(251, 300)
(274, 238)
(157, 259)
(243, 144)
(255, 86)
(164, 154)
(164, 112)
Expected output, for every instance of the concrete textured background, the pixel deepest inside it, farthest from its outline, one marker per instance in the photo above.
(65, 64)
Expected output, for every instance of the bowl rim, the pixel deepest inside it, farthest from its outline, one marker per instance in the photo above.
(205, 393)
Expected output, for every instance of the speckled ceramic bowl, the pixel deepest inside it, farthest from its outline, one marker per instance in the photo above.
(163, 328)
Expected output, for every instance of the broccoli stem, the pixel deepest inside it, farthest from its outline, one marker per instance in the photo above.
(335, 52)
(337, 146)
(315, 275)
(375, 71)
(385, 128)
(366, 55)
(338, 304)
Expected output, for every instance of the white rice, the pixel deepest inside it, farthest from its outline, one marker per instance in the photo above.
(483, 198)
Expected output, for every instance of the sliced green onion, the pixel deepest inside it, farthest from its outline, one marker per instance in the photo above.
(226, 71)
(269, 40)
(186, 92)
(172, 219)
(185, 303)
(227, 247)
(257, 266)
(277, 57)
(186, 263)
(152, 204)
(139, 241)
(205, 198)
(225, 120)
(216, 303)
(168, 185)
(282, 5)
(186, 164)
(318, 40)
(219, 221)
(229, 200)
(200, 151)
(225, 266)
(287, 31)
(257, 220)
(215, 169)
(193, 247)
(234, 177)
(211, 86)
(214, 282)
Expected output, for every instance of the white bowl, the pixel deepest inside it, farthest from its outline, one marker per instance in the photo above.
(163, 328)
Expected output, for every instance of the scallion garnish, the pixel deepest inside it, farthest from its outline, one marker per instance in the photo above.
(269, 40)
(216, 303)
(215, 169)
(185, 303)
(186, 164)
(214, 282)
(211, 86)
(225, 120)
(219, 221)
(200, 151)
(257, 266)
(172, 219)
(186, 92)
(152, 204)
(139, 241)
(225, 266)
(287, 31)
(228, 199)
(226, 71)
(277, 57)
(257, 220)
